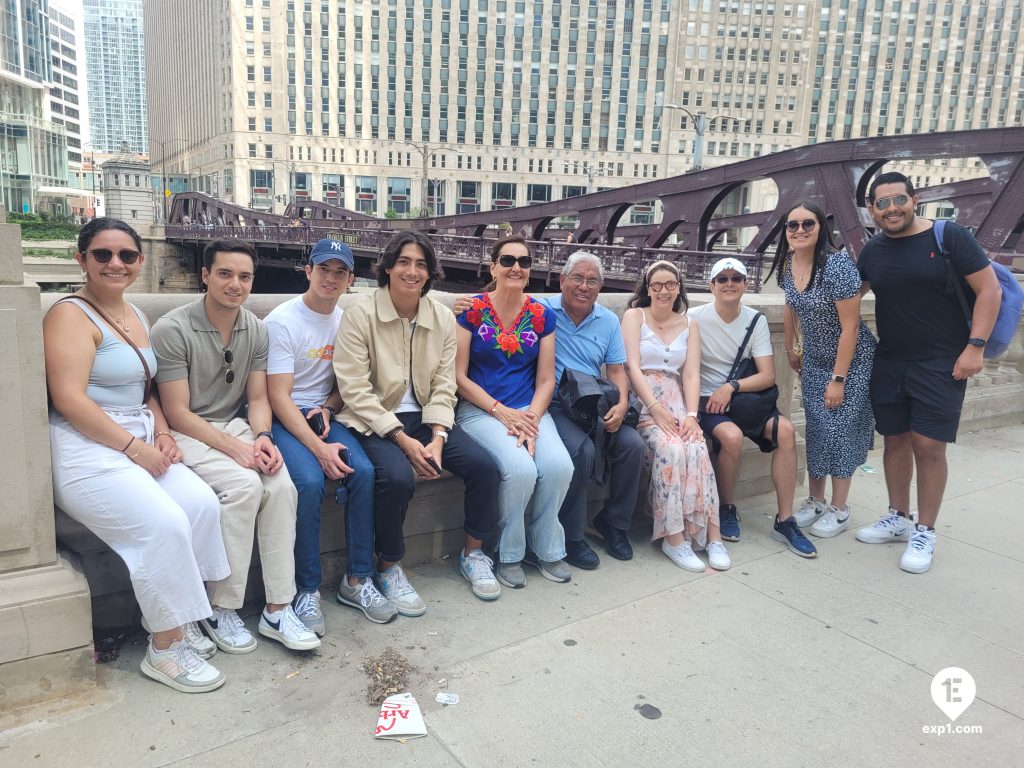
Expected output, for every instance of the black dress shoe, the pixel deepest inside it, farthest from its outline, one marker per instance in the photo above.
(616, 541)
(580, 555)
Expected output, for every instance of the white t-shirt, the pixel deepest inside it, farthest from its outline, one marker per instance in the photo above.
(302, 344)
(719, 342)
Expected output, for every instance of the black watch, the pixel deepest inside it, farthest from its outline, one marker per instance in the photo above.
(735, 385)
(267, 434)
(974, 341)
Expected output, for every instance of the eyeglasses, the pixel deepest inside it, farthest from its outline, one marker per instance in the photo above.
(667, 285)
(884, 202)
(104, 255)
(229, 377)
(590, 282)
(723, 279)
(807, 225)
(524, 262)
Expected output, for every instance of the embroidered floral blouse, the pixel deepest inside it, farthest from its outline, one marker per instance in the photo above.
(503, 361)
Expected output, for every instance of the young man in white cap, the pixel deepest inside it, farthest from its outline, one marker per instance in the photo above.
(723, 326)
(304, 396)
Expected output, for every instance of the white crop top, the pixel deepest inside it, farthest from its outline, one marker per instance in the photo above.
(656, 355)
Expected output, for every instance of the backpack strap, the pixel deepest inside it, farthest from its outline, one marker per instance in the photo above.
(743, 346)
(952, 283)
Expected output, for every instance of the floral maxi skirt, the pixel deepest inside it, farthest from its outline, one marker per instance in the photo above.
(683, 493)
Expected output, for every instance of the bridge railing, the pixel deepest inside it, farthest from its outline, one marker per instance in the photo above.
(622, 263)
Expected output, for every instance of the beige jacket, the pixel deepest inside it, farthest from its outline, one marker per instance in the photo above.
(374, 356)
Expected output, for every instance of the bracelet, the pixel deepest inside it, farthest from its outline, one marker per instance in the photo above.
(692, 415)
(328, 408)
(396, 433)
(134, 456)
(128, 445)
(267, 434)
(496, 404)
(161, 432)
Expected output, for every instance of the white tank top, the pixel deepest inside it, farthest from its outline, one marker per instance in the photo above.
(656, 355)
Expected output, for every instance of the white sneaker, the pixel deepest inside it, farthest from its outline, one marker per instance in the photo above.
(811, 510)
(718, 556)
(682, 555)
(395, 586)
(201, 644)
(288, 629)
(832, 523)
(478, 569)
(892, 526)
(228, 632)
(180, 668)
(917, 557)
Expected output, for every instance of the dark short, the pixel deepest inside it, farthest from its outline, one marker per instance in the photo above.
(917, 396)
(708, 422)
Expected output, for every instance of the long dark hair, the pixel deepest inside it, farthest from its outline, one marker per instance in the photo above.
(822, 248)
(88, 233)
(394, 248)
(642, 295)
(496, 252)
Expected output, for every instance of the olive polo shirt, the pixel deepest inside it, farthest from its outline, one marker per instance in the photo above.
(188, 346)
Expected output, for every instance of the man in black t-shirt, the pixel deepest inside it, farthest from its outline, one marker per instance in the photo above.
(926, 353)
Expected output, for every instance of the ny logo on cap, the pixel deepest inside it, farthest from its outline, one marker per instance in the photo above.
(335, 246)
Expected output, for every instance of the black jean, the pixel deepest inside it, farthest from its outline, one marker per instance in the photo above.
(624, 453)
(395, 483)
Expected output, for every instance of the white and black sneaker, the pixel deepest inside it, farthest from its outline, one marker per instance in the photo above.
(226, 629)
(285, 627)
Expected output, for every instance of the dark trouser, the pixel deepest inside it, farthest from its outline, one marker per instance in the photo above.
(624, 453)
(395, 483)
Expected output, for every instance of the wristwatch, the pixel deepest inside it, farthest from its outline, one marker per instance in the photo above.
(443, 434)
(974, 341)
(735, 385)
(838, 379)
(267, 434)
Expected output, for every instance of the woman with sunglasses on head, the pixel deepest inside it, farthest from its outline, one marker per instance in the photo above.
(505, 371)
(663, 364)
(822, 288)
(116, 467)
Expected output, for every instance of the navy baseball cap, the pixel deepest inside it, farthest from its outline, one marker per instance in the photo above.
(325, 250)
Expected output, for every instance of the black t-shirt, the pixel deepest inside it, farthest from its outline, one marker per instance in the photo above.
(917, 319)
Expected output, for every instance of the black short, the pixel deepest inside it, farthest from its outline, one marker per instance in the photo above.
(917, 396)
(708, 422)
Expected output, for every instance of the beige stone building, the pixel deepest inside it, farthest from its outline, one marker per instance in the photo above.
(454, 106)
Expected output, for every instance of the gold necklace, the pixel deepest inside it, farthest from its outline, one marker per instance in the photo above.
(124, 313)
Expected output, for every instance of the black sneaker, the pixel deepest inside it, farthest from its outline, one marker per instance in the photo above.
(578, 554)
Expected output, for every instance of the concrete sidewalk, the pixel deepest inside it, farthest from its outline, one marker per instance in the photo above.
(779, 661)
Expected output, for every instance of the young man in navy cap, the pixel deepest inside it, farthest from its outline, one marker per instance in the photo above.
(723, 326)
(304, 396)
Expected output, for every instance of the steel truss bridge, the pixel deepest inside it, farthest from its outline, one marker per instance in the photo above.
(836, 175)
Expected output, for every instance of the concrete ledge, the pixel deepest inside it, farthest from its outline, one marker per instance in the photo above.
(40, 679)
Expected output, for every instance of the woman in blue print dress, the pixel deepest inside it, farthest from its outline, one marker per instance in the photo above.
(822, 288)
(505, 372)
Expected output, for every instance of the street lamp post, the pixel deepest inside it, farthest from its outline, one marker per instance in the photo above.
(701, 121)
(591, 170)
(426, 153)
(163, 170)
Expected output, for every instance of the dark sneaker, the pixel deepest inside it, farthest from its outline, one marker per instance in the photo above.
(511, 575)
(789, 533)
(578, 554)
(553, 570)
(729, 522)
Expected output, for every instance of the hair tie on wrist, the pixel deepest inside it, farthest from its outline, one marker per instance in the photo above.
(496, 404)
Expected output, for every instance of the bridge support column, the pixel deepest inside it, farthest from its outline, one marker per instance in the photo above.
(45, 619)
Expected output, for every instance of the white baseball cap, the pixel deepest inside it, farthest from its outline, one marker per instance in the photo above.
(729, 263)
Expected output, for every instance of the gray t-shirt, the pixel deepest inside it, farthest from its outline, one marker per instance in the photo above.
(720, 341)
(188, 346)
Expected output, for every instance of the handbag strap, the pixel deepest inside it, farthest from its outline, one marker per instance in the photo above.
(124, 335)
(743, 346)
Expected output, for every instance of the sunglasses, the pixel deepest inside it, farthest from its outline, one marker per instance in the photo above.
(667, 285)
(229, 377)
(807, 225)
(723, 279)
(884, 202)
(104, 255)
(524, 262)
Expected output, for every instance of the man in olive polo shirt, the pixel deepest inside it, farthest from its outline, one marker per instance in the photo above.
(212, 359)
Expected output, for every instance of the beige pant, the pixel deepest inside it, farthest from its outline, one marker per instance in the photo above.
(248, 500)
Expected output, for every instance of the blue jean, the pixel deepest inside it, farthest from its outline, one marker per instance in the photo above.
(309, 480)
(540, 482)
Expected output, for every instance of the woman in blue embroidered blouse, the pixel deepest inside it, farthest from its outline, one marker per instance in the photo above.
(505, 371)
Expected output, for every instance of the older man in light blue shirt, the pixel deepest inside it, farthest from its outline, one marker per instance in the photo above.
(588, 337)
